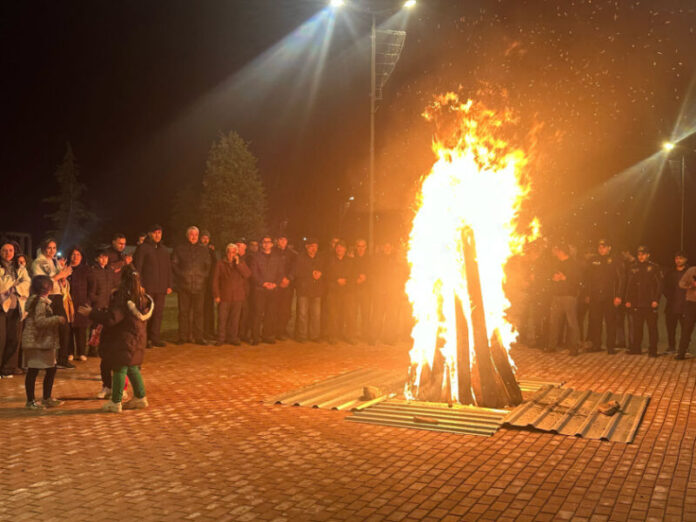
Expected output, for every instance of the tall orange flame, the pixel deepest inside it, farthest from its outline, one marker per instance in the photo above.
(477, 183)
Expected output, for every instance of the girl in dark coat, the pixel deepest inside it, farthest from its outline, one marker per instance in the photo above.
(80, 288)
(124, 337)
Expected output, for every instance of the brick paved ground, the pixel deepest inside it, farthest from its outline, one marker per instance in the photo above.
(208, 449)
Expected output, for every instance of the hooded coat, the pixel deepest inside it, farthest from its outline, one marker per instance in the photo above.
(124, 336)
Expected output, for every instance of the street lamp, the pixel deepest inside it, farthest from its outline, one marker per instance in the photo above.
(397, 43)
(668, 146)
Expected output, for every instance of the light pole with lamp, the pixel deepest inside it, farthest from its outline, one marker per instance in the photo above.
(399, 38)
(668, 147)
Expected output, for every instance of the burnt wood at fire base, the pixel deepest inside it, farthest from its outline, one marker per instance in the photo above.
(488, 380)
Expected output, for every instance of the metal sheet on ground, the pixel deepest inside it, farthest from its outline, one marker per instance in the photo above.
(576, 412)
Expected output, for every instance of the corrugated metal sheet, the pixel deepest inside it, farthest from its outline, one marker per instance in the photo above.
(575, 412)
(467, 420)
(343, 391)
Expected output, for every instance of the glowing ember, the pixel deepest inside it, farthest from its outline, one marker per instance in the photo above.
(474, 191)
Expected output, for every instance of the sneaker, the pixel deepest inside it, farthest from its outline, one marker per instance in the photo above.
(51, 403)
(6, 376)
(83, 358)
(136, 404)
(33, 405)
(112, 407)
(70, 357)
(125, 395)
(106, 392)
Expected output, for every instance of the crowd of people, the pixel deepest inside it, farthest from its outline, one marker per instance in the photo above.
(598, 301)
(56, 311)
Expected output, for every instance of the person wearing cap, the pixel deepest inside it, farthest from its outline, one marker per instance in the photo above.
(286, 288)
(643, 290)
(565, 287)
(309, 282)
(338, 279)
(676, 299)
(152, 262)
(603, 289)
(191, 269)
(208, 301)
(688, 283)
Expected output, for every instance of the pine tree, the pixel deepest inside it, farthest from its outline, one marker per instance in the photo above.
(71, 217)
(233, 200)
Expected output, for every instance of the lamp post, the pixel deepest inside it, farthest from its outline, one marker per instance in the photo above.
(668, 147)
(408, 4)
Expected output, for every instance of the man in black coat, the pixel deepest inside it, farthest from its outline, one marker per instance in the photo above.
(565, 287)
(152, 261)
(309, 285)
(643, 289)
(286, 287)
(339, 271)
(603, 290)
(208, 302)
(676, 300)
(360, 302)
(117, 257)
(267, 274)
(191, 269)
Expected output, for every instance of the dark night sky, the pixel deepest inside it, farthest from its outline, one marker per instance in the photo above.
(141, 89)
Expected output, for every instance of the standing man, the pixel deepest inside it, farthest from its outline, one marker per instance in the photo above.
(229, 282)
(360, 306)
(286, 287)
(246, 319)
(152, 261)
(603, 291)
(643, 288)
(208, 303)
(267, 273)
(309, 285)
(117, 257)
(676, 300)
(338, 278)
(565, 285)
(688, 283)
(385, 295)
(191, 268)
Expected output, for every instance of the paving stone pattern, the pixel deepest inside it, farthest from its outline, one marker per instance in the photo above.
(208, 449)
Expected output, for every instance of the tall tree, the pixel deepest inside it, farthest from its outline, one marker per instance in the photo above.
(233, 199)
(71, 217)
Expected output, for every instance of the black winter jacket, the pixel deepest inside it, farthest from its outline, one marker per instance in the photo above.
(191, 267)
(152, 261)
(644, 284)
(305, 284)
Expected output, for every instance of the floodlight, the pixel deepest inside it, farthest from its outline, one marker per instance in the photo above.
(668, 145)
(337, 3)
(410, 4)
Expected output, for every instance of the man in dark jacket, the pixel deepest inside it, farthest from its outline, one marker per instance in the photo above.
(152, 261)
(286, 287)
(104, 280)
(309, 286)
(191, 268)
(603, 290)
(676, 300)
(643, 289)
(360, 302)
(208, 303)
(246, 319)
(267, 274)
(117, 257)
(339, 271)
(565, 286)
(229, 291)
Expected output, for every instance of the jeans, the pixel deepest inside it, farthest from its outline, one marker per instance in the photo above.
(190, 315)
(228, 321)
(308, 318)
(119, 381)
(563, 307)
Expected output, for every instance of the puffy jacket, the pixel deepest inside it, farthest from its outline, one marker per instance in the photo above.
(124, 336)
(191, 267)
(153, 263)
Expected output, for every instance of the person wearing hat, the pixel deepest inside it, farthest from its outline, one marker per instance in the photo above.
(603, 288)
(643, 290)
(676, 299)
(152, 262)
